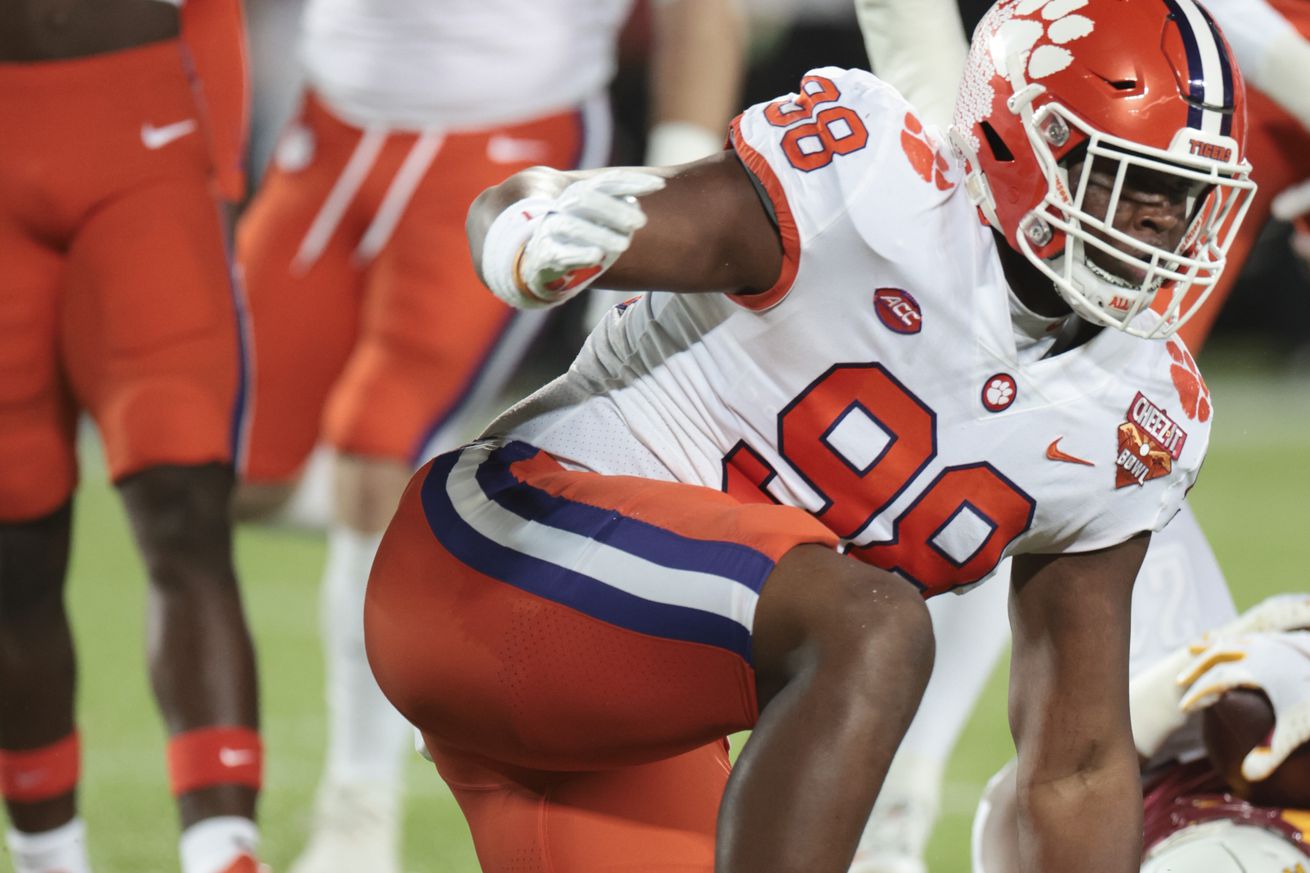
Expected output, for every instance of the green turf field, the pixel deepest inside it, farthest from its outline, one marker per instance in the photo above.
(1251, 500)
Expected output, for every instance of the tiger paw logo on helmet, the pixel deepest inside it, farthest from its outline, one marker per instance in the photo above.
(1054, 91)
(923, 154)
(1044, 28)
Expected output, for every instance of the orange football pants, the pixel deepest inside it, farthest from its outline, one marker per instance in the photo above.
(1278, 148)
(572, 681)
(370, 325)
(115, 287)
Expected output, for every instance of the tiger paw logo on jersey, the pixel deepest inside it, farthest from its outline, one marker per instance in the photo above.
(1149, 443)
(1187, 379)
(923, 155)
(1044, 28)
(999, 392)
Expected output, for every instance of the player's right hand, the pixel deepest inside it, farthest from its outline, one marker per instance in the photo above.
(584, 231)
(1293, 205)
(1277, 664)
(1281, 612)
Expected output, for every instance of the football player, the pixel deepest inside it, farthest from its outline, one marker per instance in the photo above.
(721, 517)
(1195, 820)
(124, 127)
(412, 109)
(917, 47)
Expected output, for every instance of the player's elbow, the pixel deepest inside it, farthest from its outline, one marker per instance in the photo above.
(1077, 771)
(1084, 813)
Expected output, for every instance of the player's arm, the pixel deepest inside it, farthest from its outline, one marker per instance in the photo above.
(1275, 58)
(1079, 798)
(918, 47)
(215, 37)
(1157, 694)
(697, 59)
(1273, 55)
(543, 235)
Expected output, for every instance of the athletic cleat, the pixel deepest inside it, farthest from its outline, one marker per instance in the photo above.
(897, 834)
(355, 828)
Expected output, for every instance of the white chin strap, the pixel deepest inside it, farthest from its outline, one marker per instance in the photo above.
(1097, 295)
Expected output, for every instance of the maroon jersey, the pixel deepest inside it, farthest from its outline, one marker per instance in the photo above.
(1182, 795)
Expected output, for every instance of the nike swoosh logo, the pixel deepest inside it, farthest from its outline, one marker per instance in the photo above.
(158, 137)
(503, 149)
(1053, 453)
(235, 757)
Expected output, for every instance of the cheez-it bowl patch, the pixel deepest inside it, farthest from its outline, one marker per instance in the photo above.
(1149, 443)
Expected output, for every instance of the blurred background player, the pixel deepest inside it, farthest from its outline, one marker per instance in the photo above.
(919, 47)
(1221, 725)
(116, 299)
(410, 110)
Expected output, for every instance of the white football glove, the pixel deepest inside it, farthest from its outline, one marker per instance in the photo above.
(1155, 695)
(1281, 612)
(542, 251)
(1277, 664)
(1153, 698)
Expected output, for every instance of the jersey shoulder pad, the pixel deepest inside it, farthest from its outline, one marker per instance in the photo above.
(1152, 418)
(1166, 428)
(844, 147)
(843, 131)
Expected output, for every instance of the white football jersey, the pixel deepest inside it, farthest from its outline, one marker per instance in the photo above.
(879, 385)
(461, 63)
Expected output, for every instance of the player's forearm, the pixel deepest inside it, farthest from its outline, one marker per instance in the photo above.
(1088, 820)
(918, 47)
(696, 73)
(1274, 56)
(707, 232)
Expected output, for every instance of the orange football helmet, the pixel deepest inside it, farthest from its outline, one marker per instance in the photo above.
(1106, 87)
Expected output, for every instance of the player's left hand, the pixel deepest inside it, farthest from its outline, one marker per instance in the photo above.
(1277, 664)
(584, 231)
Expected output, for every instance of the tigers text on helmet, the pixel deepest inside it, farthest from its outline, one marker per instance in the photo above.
(1106, 88)
(1224, 847)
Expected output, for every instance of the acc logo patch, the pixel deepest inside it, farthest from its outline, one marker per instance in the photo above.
(898, 310)
(999, 392)
(1149, 443)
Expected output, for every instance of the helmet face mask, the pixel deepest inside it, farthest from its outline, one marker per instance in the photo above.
(1050, 162)
(1089, 269)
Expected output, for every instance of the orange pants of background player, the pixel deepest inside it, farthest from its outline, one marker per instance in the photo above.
(370, 326)
(574, 647)
(1278, 147)
(115, 291)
